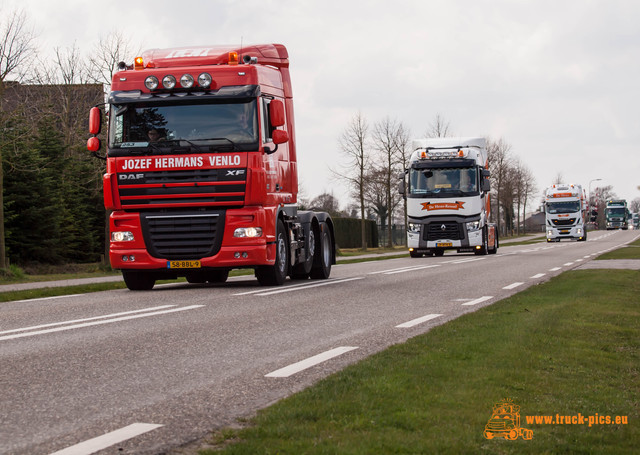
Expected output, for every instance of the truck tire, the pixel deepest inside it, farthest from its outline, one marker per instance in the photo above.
(217, 276)
(274, 275)
(414, 254)
(485, 243)
(321, 268)
(138, 281)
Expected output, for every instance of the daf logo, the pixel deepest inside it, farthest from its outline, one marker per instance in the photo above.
(234, 172)
(443, 227)
(130, 176)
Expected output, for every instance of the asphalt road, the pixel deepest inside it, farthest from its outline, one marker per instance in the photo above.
(147, 372)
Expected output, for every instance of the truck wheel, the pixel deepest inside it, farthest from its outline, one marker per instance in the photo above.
(138, 281)
(485, 243)
(438, 253)
(413, 254)
(274, 275)
(302, 271)
(322, 259)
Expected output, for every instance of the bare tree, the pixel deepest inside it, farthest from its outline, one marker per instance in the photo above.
(403, 155)
(500, 165)
(17, 46)
(353, 144)
(524, 185)
(634, 206)
(438, 128)
(110, 50)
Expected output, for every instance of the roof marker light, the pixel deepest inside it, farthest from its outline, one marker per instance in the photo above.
(139, 63)
(233, 58)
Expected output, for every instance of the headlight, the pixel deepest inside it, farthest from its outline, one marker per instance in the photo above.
(204, 80)
(151, 82)
(169, 82)
(549, 232)
(186, 81)
(248, 232)
(473, 226)
(413, 227)
(122, 236)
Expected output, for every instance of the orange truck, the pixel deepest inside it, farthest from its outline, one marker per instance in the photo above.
(201, 169)
(505, 423)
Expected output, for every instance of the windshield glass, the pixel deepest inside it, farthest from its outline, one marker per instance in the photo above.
(563, 207)
(443, 182)
(616, 211)
(156, 125)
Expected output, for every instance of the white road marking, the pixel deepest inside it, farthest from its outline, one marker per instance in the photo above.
(262, 289)
(480, 300)
(417, 321)
(310, 362)
(538, 275)
(89, 324)
(309, 286)
(106, 440)
(412, 269)
(46, 298)
(555, 269)
(402, 269)
(461, 261)
(75, 321)
(513, 285)
(568, 264)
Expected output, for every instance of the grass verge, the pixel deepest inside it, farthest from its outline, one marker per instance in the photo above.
(569, 346)
(631, 251)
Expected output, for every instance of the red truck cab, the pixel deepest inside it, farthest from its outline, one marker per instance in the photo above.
(202, 169)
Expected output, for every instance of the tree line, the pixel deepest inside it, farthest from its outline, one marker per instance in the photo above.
(51, 204)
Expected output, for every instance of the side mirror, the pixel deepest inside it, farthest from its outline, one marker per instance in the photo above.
(401, 184)
(276, 113)
(95, 120)
(280, 136)
(486, 183)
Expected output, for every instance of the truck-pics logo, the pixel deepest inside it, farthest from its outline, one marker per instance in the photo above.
(428, 206)
(505, 422)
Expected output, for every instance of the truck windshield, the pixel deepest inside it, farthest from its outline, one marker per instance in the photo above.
(443, 182)
(563, 207)
(616, 211)
(155, 126)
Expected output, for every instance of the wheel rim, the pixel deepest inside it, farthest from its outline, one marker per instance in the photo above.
(325, 249)
(282, 253)
(312, 244)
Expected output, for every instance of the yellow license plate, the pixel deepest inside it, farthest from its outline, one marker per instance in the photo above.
(183, 264)
(444, 245)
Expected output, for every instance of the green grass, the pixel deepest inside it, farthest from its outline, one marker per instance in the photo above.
(631, 251)
(569, 346)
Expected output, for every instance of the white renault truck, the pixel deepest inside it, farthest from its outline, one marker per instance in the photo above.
(565, 208)
(447, 193)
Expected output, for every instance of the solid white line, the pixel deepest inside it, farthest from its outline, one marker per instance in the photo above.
(412, 269)
(75, 321)
(417, 321)
(555, 269)
(539, 275)
(89, 324)
(308, 363)
(480, 300)
(315, 285)
(46, 298)
(261, 289)
(513, 285)
(106, 440)
(461, 261)
(402, 269)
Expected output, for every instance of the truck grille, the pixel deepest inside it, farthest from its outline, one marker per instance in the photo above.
(446, 230)
(183, 235)
(183, 188)
(564, 222)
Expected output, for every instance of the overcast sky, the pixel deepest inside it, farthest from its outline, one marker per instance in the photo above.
(559, 80)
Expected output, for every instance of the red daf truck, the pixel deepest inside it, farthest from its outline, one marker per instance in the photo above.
(202, 169)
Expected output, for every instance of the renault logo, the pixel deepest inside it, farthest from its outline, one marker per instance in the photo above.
(443, 227)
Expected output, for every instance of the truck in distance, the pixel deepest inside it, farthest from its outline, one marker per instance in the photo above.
(616, 214)
(566, 211)
(448, 203)
(201, 173)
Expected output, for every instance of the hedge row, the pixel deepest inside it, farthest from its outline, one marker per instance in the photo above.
(348, 233)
